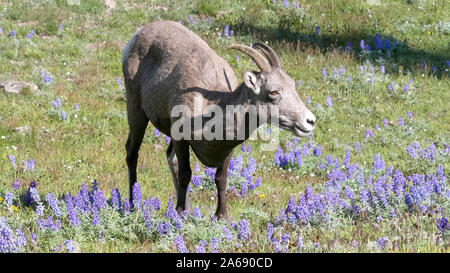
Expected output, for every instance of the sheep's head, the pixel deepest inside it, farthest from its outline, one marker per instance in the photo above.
(273, 87)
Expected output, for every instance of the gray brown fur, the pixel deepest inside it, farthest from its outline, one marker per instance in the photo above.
(164, 65)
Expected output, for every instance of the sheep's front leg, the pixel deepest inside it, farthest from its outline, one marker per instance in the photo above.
(184, 174)
(221, 184)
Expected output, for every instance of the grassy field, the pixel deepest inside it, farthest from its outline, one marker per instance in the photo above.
(373, 177)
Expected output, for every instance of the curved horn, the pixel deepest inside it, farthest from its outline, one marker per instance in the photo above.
(270, 54)
(255, 55)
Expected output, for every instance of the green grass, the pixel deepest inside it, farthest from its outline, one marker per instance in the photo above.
(83, 58)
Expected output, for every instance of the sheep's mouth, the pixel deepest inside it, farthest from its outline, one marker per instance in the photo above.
(300, 132)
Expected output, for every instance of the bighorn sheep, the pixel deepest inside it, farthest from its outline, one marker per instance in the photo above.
(165, 65)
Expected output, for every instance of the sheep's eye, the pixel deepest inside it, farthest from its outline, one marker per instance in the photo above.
(273, 92)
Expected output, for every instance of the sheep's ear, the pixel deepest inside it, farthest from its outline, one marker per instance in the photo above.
(252, 82)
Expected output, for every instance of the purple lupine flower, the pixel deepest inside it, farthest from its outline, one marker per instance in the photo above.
(324, 72)
(116, 199)
(405, 87)
(227, 233)
(126, 206)
(308, 100)
(341, 70)
(378, 42)
(53, 203)
(119, 82)
(357, 147)
(381, 242)
(196, 213)
(317, 150)
(347, 158)
(400, 122)
(47, 78)
(13, 33)
(226, 31)
(362, 45)
(201, 247)
(329, 102)
(298, 82)
(442, 224)
(16, 185)
(350, 79)
(63, 115)
(12, 160)
(191, 19)
(388, 44)
(71, 211)
(30, 34)
(382, 69)
(137, 196)
(286, 4)
(179, 243)
(156, 132)
(385, 122)
(219, 34)
(244, 230)
(237, 58)
(231, 32)
(69, 246)
(317, 30)
(269, 231)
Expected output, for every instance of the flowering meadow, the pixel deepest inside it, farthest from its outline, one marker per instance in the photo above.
(373, 177)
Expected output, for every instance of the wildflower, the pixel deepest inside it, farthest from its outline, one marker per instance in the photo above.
(30, 34)
(400, 122)
(12, 160)
(137, 196)
(350, 79)
(442, 224)
(179, 243)
(382, 69)
(298, 82)
(347, 157)
(60, 26)
(329, 102)
(115, 199)
(381, 242)
(362, 45)
(388, 44)
(244, 230)
(196, 213)
(53, 203)
(341, 70)
(16, 184)
(286, 4)
(201, 247)
(13, 33)
(308, 100)
(317, 30)
(226, 31)
(227, 233)
(191, 19)
(68, 244)
(324, 72)
(357, 147)
(405, 88)
(63, 115)
(378, 42)
(237, 58)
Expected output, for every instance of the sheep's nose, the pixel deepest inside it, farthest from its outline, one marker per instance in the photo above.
(310, 121)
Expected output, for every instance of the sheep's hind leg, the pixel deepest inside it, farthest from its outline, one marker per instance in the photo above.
(182, 167)
(138, 123)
